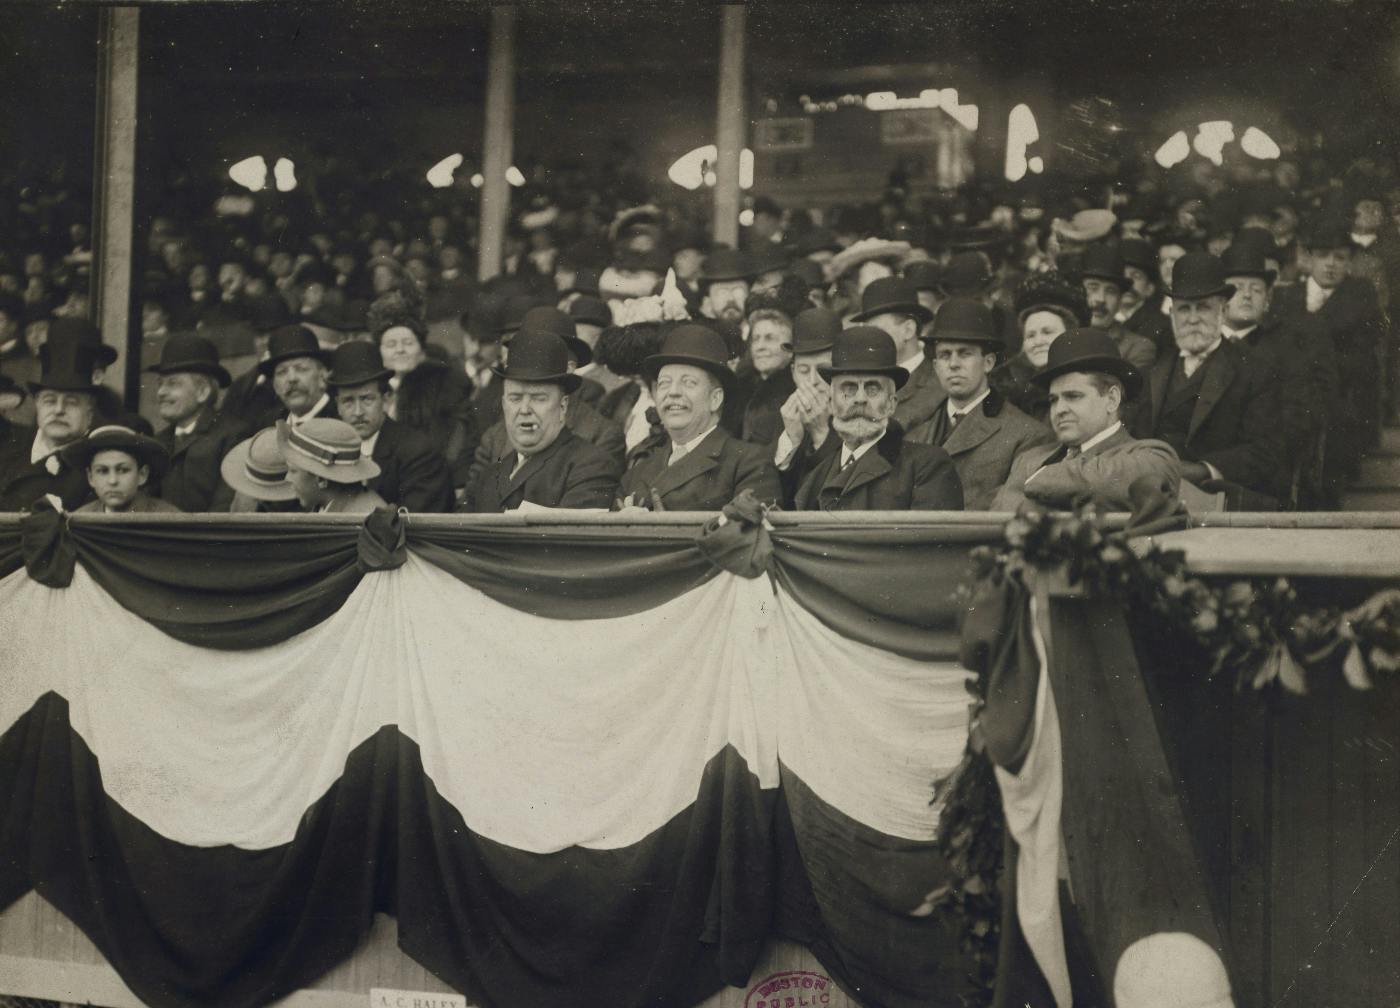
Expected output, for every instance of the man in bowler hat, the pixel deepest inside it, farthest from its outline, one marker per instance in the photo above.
(892, 305)
(1104, 275)
(297, 367)
(195, 438)
(1097, 458)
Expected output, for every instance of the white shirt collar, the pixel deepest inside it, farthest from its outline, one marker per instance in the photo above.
(952, 410)
(182, 430)
(42, 447)
(1364, 240)
(683, 448)
(1317, 294)
(1101, 436)
(297, 421)
(911, 364)
(367, 445)
(848, 454)
(1237, 334)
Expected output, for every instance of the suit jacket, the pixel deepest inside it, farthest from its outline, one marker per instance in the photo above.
(570, 473)
(1012, 381)
(763, 420)
(412, 472)
(27, 481)
(895, 475)
(1235, 422)
(919, 397)
(1137, 350)
(984, 444)
(248, 402)
(1105, 472)
(1351, 319)
(436, 399)
(1307, 374)
(708, 478)
(142, 503)
(193, 482)
(1150, 321)
(617, 404)
(579, 417)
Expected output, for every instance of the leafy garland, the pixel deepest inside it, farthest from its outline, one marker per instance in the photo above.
(1254, 629)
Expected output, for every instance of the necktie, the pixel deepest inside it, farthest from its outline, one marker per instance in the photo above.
(1190, 362)
(850, 461)
(954, 418)
(1071, 452)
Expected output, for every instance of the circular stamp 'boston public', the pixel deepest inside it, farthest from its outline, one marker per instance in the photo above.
(791, 989)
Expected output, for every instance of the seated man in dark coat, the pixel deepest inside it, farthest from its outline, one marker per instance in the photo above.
(412, 472)
(869, 465)
(195, 439)
(699, 467)
(1216, 401)
(296, 366)
(544, 463)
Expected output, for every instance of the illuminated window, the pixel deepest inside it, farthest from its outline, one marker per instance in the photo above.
(514, 177)
(1021, 132)
(440, 174)
(697, 168)
(1211, 138)
(250, 173)
(284, 172)
(1258, 144)
(1176, 150)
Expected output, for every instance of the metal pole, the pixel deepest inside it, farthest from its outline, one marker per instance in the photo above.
(730, 123)
(496, 151)
(114, 186)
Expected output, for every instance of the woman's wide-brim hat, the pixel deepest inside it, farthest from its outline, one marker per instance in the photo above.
(1053, 293)
(539, 355)
(255, 467)
(326, 448)
(696, 345)
(864, 349)
(146, 450)
(1089, 351)
(1199, 275)
(188, 353)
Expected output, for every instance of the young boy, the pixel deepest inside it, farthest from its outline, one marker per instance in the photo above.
(119, 463)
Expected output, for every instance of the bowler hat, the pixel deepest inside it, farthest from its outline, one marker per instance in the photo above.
(967, 273)
(76, 329)
(357, 363)
(255, 467)
(557, 323)
(965, 320)
(894, 295)
(516, 307)
(1091, 351)
(590, 310)
(815, 330)
(67, 366)
(146, 450)
(288, 342)
(1244, 259)
(1257, 240)
(1140, 253)
(769, 257)
(268, 312)
(327, 448)
(815, 240)
(864, 349)
(924, 274)
(1199, 275)
(641, 261)
(188, 353)
(727, 264)
(1103, 261)
(1326, 233)
(316, 272)
(696, 345)
(539, 355)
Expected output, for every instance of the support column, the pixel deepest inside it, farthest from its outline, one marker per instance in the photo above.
(730, 123)
(497, 143)
(114, 186)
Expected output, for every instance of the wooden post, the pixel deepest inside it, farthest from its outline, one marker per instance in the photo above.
(730, 123)
(496, 150)
(114, 185)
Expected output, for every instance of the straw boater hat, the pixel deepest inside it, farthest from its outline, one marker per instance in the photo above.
(146, 451)
(864, 349)
(326, 448)
(256, 467)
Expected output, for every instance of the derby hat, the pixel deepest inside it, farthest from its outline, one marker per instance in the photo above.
(924, 274)
(967, 274)
(895, 295)
(188, 353)
(1257, 240)
(815, 330)
(1089, 351)
(71, 329)
(516, 307)
(590, 311)
(727, 264)
(357, 363)
(289, 342)
(268, 312)
(815, 240)
(640, 261)
(316, 272)
(965, 320)
(326, 448)
(770, 257)
(1327, 233)
(255, 467)
(67, 366)
(864, 349)
(1103, 261)
(146, 450)
(1140, 253)
(696, 345)
(1245, 260)
(1199, 275)
(539, 355)
(556, 323)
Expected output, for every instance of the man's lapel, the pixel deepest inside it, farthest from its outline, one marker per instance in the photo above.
(869, 467)
(1119, 437)
(1220, 371)
(532, 465)
(1160, 378)
(920, 377)
(177, 445)
(971, 431)
(701, 459)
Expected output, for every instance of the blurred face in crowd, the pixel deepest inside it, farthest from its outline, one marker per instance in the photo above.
(437, 228)
(1040, 330)
(1249, 303)
(181, 395)
(1287, 175)
(533, 413)
(769, 342)
(1329, 266)
(902, 329)
(688, 399)
(343, 263)
(418, 268)
(1196, 322)
(687, 263)
(1140, 288)
(383, 279)
(363, 407)
(199, 277)
(1103, 297)
(805, 373)
(116, 477)
(381, 246)
(1370, 215)
(36, 334)
(962, 369)
(34, 264)
(262, 254)
(1217, 244)
(861, 406)
(63, 417)
(450, 259)
(231, 278)
(1284, 225)
(299, 383)
(9, 326)
(280, 265)
(769, 281)
(1082, 405)
(727, 299)
(172, 253)
(1167, 256)
(313, 295)
(401, 349)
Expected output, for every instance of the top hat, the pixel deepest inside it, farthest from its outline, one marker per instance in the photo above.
(696, 345)
(327, 448)
(539, 355)
(356, 363)
(727, 264)
(924, 274)
(67, 366)
(1199, 275)
(1089, 351)
(188, 353)
(1102, 261)
(556, 323)
(864, 349)
(891, 294)
(590, 310)
(815, 330)
(1244, 259)
(966, 320)
(1139, 252)
(255, 467)
(288, 342)
(146, 450)
(75, 329)
(967, 274)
